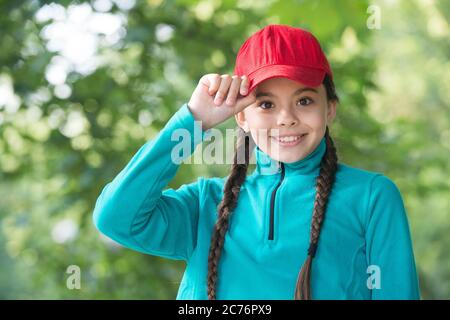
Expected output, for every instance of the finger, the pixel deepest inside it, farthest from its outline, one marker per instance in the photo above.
(245, 102)
(234, 90)
(207, 80)
(214, 84)
(225, 81)
(244, 85)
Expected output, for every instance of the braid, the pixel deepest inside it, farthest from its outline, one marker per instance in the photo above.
(225, 209)
(325, 180)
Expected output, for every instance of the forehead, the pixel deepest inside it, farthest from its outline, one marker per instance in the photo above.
(278, 83)
(275, 87)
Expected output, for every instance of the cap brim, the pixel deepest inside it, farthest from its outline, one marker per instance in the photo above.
(307, 76)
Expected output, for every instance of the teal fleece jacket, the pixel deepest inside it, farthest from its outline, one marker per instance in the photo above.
(364, 250)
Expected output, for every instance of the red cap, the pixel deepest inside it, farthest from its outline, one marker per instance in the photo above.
(282, 51)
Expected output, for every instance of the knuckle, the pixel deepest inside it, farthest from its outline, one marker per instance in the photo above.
(211, 76)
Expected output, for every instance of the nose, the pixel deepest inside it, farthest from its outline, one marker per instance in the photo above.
(286, 119)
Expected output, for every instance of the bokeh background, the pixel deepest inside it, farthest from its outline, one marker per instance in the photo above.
(84, 84)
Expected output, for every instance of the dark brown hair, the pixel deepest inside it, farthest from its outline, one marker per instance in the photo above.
(324, 183)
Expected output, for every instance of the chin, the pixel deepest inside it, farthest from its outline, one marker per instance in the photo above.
(290, 154)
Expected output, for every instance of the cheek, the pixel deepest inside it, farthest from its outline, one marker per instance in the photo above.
(260, 135)
(257, 120)
(314, 118)
(259, 125)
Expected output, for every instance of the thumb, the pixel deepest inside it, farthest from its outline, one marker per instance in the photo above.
(245, 101)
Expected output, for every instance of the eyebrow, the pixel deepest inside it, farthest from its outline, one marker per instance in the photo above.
(268, 94)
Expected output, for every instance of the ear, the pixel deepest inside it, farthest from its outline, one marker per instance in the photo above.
(241, 121)
(331, 112)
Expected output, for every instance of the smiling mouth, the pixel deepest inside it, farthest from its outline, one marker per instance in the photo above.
(289, 140)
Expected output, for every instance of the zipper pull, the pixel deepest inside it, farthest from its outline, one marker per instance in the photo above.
(280, 166)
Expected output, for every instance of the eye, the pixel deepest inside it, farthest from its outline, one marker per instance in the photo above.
(261, 105)
(305, 101)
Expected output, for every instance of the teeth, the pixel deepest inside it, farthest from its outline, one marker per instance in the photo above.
(288, 139)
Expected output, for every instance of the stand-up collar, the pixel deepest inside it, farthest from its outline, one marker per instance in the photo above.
(265, 165)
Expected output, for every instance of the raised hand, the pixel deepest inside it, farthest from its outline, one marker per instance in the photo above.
(218, 97)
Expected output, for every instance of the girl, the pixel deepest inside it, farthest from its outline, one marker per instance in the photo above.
(311, 228)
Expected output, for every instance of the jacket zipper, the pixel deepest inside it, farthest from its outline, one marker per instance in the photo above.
(272, 203)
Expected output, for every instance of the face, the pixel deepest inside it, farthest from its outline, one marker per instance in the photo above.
(288, 119)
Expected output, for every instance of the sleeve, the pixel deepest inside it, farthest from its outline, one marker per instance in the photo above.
(390, 257)
(134, 210)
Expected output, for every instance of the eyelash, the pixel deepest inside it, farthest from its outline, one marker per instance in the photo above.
(303, 98)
